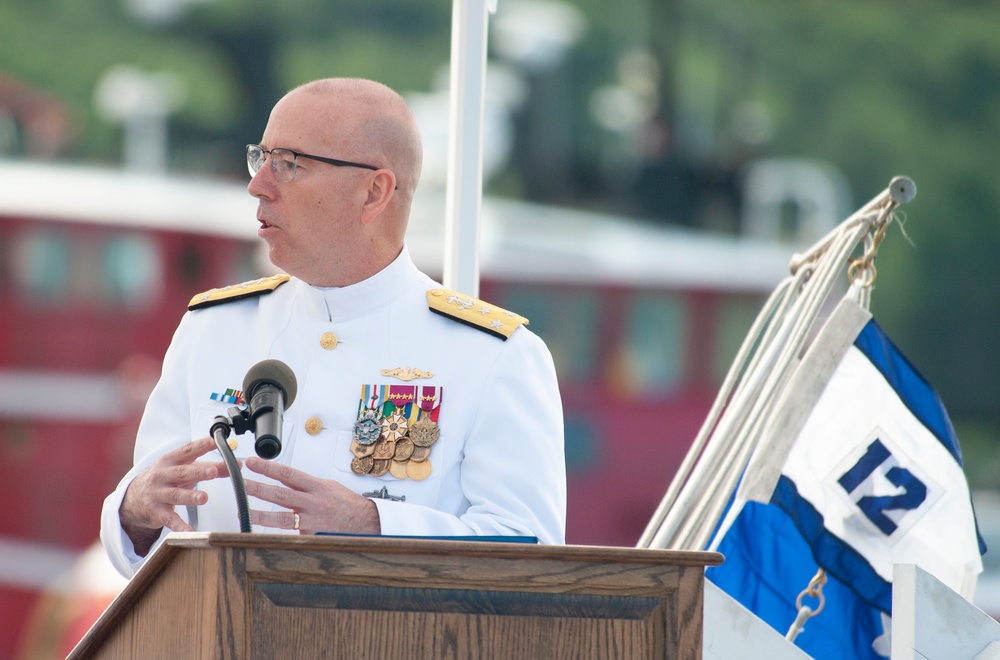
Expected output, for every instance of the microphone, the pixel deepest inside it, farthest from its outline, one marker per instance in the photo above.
(269, 387)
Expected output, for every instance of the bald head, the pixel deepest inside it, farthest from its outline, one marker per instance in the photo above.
(370, 119)
(335, 226)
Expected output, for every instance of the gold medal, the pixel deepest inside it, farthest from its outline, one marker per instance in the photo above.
(418, 471)
(398, 469)
(380, 467)
(424, 432)
(384, 449)
(404, 448)
(362, 465)
(361, 450)
(420, 454)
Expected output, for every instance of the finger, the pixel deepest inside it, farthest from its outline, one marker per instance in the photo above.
(275, 519)
(188, 475)
(177, 496)
(175, 523)
(285, 474)
(222, 470)
(188, 452)
(273, 494)
(160, 512)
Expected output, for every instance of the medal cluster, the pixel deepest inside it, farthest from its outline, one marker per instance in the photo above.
(395, 431)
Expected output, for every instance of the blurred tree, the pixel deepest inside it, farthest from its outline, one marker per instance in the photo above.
(875, 89)
(891, 88)
(271, 48)
(234, 60)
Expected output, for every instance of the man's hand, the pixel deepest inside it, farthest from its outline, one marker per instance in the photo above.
(148, 505)
(322, 505)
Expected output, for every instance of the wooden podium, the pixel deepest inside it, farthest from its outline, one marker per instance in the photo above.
(275, 596)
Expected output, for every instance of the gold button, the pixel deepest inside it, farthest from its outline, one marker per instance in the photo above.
(314, 425)
(328, 341)
(233, 443)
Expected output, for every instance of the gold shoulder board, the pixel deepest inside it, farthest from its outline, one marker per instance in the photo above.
(475, 313)
(234, 292)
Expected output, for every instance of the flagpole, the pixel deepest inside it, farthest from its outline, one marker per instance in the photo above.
(464, 190)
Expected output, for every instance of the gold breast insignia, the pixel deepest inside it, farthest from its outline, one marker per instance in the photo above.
(406, 374)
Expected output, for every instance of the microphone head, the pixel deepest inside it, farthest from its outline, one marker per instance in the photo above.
(276, 373)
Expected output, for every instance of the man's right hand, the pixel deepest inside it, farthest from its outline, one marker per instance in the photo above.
(150, 499)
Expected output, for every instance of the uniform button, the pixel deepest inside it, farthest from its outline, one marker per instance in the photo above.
(314, 425)
(328, 341)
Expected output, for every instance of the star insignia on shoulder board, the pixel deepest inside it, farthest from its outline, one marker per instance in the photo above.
(475, 313)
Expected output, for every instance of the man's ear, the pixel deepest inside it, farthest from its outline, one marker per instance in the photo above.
(381, 188)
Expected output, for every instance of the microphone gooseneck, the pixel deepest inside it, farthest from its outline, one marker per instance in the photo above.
(269, 388)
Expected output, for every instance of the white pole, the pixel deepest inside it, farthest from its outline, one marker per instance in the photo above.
(465, 146)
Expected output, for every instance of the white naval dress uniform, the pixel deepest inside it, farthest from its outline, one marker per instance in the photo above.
(497, 469)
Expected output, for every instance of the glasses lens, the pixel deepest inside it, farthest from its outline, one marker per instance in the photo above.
(255, 158)
(283, 164)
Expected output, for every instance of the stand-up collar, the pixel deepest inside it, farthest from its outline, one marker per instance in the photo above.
(344, 303)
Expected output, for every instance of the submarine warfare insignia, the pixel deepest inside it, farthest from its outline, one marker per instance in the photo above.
(396, 427)
(406, 374)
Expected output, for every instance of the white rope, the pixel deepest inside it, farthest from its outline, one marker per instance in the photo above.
(703, 458)
(797, 326)
(712, 468)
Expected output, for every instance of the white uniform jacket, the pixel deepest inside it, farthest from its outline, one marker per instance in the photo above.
(497, 468)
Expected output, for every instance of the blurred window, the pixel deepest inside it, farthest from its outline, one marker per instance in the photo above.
(566, 319)
(650, 360)
(41, 266)
(131, 271)
(733, 320)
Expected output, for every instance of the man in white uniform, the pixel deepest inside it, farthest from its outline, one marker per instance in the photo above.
(419, 411)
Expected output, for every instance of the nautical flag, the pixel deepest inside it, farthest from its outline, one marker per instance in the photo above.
(870, 476)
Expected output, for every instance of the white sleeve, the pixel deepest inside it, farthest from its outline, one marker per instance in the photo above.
(164, 427)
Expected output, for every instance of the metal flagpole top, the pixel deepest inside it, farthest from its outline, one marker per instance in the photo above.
(464, 192)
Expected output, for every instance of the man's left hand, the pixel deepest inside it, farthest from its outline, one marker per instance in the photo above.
(321, 505)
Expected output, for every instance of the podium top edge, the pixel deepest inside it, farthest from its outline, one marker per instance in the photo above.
(397, 545)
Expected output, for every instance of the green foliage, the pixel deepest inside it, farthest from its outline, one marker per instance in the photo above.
(233, 59)
(65, 48)
(411, 65)
(879, 89)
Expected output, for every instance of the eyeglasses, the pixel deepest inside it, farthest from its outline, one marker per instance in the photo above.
(283, 161)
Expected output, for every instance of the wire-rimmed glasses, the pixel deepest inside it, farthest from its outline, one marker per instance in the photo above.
(283, 161)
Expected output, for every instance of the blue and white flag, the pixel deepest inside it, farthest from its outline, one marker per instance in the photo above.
(869, 474)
